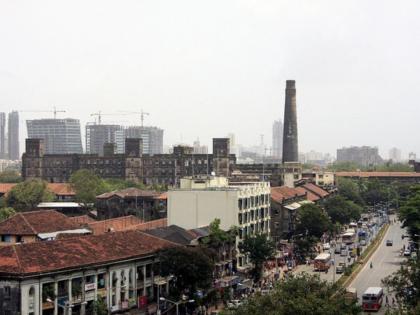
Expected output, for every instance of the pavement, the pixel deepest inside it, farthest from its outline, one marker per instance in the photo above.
(385, 260)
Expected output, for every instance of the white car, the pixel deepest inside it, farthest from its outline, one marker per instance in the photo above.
(407, 252)
(326, 246)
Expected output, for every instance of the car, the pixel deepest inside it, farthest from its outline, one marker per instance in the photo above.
(389, 242)
(407, 252)
(352, 254)
(337, 250)
(363, 242)
(344, 252)
(326, 246)
(340, 268)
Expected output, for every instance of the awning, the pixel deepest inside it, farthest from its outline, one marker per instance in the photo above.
(293, 206)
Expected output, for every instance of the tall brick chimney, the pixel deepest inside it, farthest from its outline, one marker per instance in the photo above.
(290, 132)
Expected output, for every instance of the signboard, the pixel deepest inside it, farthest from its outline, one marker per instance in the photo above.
(90, 286)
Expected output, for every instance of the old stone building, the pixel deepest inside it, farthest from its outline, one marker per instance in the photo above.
(133, 165)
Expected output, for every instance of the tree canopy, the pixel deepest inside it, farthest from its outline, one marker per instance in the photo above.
(312, 221)
(87, 186)
(350, 190)
(405, 283)
(409, 214)
(302, 294)
(27, 195)
(6, 213)
(342, 210)
(259, 249)
(10, 176)
(191, 267)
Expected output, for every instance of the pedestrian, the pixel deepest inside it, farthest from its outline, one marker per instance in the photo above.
(393, 301)
(386, 300)
(371, 265)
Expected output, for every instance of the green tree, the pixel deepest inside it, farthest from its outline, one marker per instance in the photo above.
(301, 294)
(409, 214)
(312, 221)
(98, 307)
(405, 284)
(350, 190)
(6, 213)
(87, 186)
(191, 267)
(27, 195)
(217, 237)
(259, 248)
(341, 210)
(10, 176)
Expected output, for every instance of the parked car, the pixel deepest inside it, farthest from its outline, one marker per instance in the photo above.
(337, 250)
(407, 252)
(389, 243)
(344, 252)
(363, 242)
(326, 246)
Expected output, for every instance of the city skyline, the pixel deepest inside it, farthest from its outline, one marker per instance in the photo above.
(198, 69)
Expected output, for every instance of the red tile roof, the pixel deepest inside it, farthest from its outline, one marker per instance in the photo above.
(283, 192)
(5, 188)
(316, 190)
(35, 222)
(130, 192)
(44, 257)
(60, 189)
(309, 195)
(377, 174)
(82, 219)
(115, 224)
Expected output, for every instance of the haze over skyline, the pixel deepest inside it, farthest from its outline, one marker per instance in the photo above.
(204, 69)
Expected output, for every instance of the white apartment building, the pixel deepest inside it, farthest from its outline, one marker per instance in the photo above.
(200, 200)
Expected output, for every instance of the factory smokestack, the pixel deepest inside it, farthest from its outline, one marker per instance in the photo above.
(290, 132)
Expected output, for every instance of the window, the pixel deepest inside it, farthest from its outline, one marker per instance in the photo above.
(7, 292)
(240, 218)
(19, 238)
(6, 238)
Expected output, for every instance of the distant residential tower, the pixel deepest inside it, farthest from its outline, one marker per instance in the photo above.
(61, 136)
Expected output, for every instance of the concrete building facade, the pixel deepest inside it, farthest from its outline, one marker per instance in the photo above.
(200, 200)
(13, 136)
(2, 135)
(66, 276)
(365, 155)
(277, 144)
(152, 138)
(165, 169)
(61, 136)
(97, 135)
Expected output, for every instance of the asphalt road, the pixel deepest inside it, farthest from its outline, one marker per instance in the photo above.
(385, 261)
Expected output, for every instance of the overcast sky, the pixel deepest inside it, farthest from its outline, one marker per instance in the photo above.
(207, 68)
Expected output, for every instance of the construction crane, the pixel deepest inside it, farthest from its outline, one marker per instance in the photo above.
(141, 113)
(99, 114)
(55, 111)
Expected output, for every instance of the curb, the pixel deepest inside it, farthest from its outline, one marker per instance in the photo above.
(373, 250)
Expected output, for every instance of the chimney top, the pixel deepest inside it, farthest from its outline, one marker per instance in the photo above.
(290, 84)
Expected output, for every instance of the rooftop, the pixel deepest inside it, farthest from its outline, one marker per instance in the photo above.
(280, 193)
(45, 257)
(60, 189)
(377, 174)
(131, 192)
(35, 222)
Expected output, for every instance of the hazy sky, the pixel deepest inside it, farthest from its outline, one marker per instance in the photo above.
(206, 68)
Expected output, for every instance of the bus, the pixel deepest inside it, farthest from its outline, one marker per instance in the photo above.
(372, 299)
(322, 262)
(348, 237)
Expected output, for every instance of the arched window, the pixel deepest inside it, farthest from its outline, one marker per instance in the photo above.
(31, 292)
